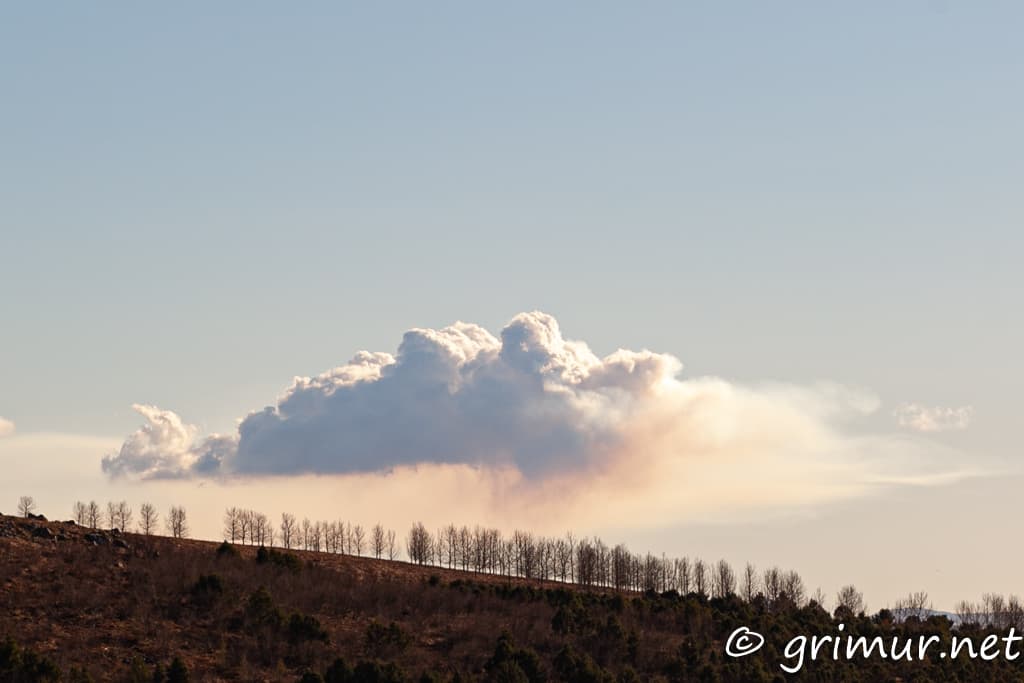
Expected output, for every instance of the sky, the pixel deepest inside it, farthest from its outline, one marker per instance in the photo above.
(807, 215)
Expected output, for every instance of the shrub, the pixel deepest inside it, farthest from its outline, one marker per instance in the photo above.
(261, 610)
(304, 627)
(139, 672)
(573, 667)
(562, 621)
(79, 675)
(177, 672)
(280, 559)
(375, 672)
(225, 549)
(207, 589)
(19, 664)
(510, 664)
(629, 675)
(338, 672)
(507, 671)
(380, 638)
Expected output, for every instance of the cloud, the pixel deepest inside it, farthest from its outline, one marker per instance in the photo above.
(166, 447)
(532, 420)
(933, 419)
(6, 427)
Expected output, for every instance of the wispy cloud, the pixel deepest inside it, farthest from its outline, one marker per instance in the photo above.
(934, 418)
(6, 427)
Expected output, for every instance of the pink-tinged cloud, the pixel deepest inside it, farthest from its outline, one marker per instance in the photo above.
(6, 427)
(533, 417)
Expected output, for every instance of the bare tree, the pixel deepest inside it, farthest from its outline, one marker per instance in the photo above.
(969, 613)
(378, 540)
(418, 544)
(258, 528)
(245, 520)
(391, 542)
(123, 515)
(268, 535)
(994, 606)
(915, 605)
(287, 529)
(749, 582)
(267, 528)
(684, 572)
(148, 518)
(317, 536)
(700, 577)
(177, 524)
(772, 585)
(358, 539)
(850, 600)
(724, 580)
(307, 533)
(93, 515)
(570, 542)
(111, 514)
(232, 522)
(449, 537)
(26, 506)
(1014, 616)
(81, 512)
(793, 587)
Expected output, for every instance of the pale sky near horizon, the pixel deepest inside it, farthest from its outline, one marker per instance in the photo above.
(198, 204)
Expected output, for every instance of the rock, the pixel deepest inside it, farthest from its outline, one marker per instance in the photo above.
(96, 539)
(42, 532)
(120, 543)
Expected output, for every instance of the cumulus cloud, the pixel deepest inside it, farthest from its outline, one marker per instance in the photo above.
(166, 447)
(933, 419)
(6, 427)
(531, 417)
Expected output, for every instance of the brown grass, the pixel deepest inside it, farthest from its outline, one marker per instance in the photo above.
(99, 606)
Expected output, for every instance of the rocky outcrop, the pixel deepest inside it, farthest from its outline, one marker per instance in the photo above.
(30, 528)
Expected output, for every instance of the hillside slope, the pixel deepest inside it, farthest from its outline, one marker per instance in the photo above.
(109, 606)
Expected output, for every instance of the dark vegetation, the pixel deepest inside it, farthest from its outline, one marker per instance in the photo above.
(100, 605)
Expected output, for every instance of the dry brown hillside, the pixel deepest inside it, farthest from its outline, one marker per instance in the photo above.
(80, 605)
(102, 600)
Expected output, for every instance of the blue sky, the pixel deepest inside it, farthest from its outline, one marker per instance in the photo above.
(198, 203)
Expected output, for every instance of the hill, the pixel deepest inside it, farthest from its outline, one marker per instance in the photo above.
(80, 604)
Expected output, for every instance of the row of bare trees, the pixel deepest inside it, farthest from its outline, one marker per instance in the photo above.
(340, 537)
(119, 515)
(583, 561)
(591, 562)
(993, 610)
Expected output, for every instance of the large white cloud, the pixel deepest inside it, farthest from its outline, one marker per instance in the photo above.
(6, 427)
(537, 417)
